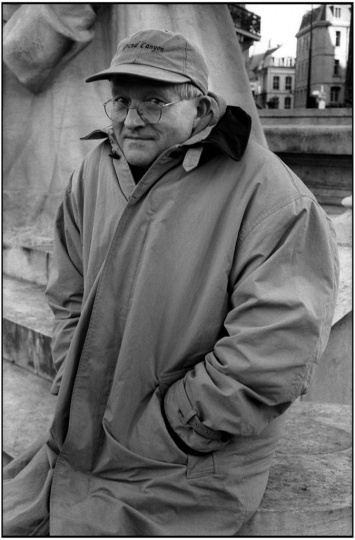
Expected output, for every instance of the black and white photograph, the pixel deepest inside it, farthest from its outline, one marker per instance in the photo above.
(177, 268)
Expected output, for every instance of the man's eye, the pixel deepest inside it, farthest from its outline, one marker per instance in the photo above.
(156, 101)
(120, 100)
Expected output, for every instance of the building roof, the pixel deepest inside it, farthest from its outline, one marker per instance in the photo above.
(279, 51)
(317, 15)
(288, 49)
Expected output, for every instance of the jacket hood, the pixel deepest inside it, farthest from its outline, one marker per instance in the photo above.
(231, 134)
(224, 129)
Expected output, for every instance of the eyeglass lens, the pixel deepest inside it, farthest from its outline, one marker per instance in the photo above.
(149, 112)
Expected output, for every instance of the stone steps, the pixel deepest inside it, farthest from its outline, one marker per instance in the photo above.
(27, 369)
(27, 262)
(27, 327)
(28, 409)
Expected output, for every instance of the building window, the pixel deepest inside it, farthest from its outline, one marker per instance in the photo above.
(287, 103)
(276, 83)
(273, 103)
(336, 67)
(334, 94)
(337, 12)
(288, 83)
(337, 39)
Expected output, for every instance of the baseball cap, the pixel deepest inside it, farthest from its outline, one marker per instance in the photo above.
(160, 55)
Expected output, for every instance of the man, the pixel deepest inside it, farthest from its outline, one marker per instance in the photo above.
(45, 75)
(193, 289)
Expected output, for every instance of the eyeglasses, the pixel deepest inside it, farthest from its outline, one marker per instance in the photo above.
(149, 112)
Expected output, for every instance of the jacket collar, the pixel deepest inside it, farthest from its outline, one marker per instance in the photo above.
(230, 135)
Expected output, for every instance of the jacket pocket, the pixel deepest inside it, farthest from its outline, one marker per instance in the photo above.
(197, 466)
(166, 380)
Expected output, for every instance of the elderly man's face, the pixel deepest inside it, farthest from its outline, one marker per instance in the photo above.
(142, 143)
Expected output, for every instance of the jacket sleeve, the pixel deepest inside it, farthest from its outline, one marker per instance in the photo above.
(283, 289)
(65, 286)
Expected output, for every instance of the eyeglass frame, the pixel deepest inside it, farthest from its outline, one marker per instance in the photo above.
(161, 107)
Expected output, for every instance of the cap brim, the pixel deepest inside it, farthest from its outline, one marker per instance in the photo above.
(138, 70)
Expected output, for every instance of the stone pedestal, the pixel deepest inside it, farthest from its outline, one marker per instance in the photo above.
(317, 148)
(332, 380)
(310, 485)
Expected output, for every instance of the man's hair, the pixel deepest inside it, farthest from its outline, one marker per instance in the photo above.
(186, 90)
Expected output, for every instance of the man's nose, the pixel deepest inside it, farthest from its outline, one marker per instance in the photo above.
(133, 119)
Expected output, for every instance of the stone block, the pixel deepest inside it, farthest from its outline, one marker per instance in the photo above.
(30, 263)
(309, 492)
(303, 116)
(344, 300)
(28, 408)
(343, 227)
(328, 177)
(309, 139)
(321, 155)
(27, 327)
(332, 380)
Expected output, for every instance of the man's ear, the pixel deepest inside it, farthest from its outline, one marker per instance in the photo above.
(203, 108)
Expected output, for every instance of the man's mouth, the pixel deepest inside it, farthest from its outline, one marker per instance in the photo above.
(134, 138)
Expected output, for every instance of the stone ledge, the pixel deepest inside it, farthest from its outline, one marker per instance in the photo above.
(25, 303)
(333, 376)
(27, 327)
(28, 408)
(344, 300)
(30, 263)
(309, 492)
(341, 116)
(329, 177)
(306, 139)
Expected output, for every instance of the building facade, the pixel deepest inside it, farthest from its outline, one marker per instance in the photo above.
(322, 56)
(247, 27)
(272, 78)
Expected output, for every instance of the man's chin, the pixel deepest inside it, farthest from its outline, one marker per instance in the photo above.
(138, 160)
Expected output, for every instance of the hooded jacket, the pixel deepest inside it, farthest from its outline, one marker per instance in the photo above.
(190, 311)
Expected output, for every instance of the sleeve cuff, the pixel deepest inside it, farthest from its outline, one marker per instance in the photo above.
(184, 421)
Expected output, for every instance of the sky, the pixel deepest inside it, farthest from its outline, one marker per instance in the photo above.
(279, 22)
